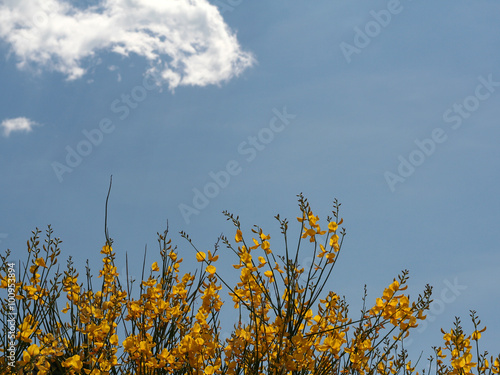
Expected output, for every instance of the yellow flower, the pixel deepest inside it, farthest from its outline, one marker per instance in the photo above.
(27, 328)
(246, 258)
(266, 247)
(211, 269)
(476, 335)
(264, 237)
(309, 233)
(209, 370)
(32, 351)
(334, 240)
(212, 258)
(113, 339)
(40, 262)
(106, 250)
(238, 236)
(330, 258)
(155, 267)
(200, 256)
(269, 274)
(409, 368)
(73, 362)
(323, 251)
(332, 227)
(277, 268)
(66, 309)
(496, 367)
(440, 354)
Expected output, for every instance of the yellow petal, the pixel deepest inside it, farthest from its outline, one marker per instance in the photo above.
(106, 249)
(66, 309)
(238, 236)
(212, 258)
(73, 362)
(40, 262)
(155, 267)
(211, 269)
(332, 227)
(200, 256)
(26, 356)
(33, 350)
(264, 237)
(113, 340)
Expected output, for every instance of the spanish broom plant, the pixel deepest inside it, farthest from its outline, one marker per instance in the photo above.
(288, 322)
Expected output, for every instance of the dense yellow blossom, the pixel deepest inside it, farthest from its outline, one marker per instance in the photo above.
(288, 324)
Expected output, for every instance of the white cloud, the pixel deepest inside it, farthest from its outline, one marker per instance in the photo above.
(16, 125)
(186, 41)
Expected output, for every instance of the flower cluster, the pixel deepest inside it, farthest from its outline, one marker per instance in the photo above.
(286, 326)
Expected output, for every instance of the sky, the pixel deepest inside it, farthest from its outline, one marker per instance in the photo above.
(196, 107)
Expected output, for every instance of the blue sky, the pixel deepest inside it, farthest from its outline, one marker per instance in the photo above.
(389, 106)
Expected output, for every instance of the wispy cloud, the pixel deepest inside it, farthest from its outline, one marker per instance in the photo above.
(16, 125)
(186, 41)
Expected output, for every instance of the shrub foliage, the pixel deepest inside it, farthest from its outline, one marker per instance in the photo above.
(288, 323)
